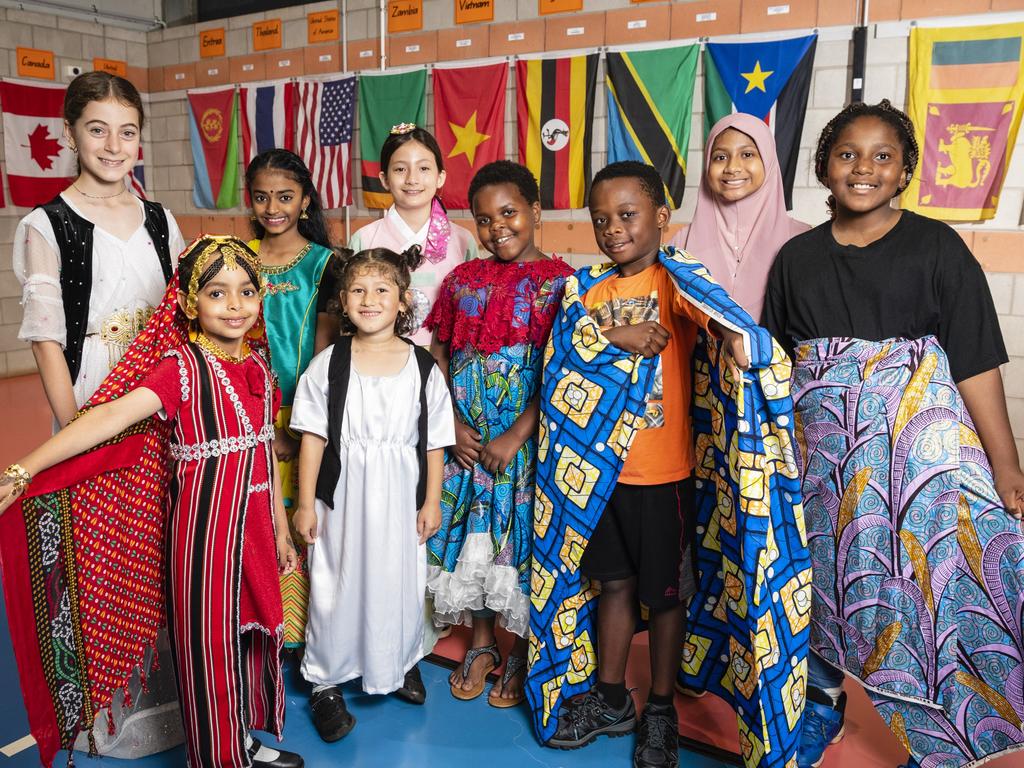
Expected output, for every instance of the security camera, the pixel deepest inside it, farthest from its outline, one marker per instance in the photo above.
(73, 70)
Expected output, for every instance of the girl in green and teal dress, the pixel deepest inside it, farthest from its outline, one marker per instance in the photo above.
(292, 243)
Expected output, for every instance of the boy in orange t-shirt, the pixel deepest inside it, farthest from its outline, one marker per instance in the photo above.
(640, 550)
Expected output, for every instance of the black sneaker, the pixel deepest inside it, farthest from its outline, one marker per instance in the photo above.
(412, 689)
(331, 717)
(585, 717)
(657, 743)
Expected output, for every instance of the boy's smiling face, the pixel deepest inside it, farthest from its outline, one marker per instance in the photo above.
(627, 223)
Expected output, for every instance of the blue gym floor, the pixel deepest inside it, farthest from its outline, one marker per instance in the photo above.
(388, 732)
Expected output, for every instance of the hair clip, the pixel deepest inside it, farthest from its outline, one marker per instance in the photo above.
(402, 128)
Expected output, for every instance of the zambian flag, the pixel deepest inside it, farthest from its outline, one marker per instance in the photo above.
(650, 98)
(385, 100)
(770, 80)
(555, 116)
(966, 86)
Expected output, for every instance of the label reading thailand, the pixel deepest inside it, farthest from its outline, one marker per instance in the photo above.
(266, 35)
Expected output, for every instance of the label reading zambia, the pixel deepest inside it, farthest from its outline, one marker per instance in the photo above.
(322, 27)
(266, 35)
(35, 63)
(405, 15)
(469, 11)
(211, 43)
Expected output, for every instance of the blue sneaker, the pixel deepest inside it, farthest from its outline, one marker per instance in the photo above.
(823, 724)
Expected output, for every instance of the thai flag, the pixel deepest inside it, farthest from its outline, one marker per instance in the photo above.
(268, 118)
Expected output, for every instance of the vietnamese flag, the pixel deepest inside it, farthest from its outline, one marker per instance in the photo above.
(213, 130)
(469, 124)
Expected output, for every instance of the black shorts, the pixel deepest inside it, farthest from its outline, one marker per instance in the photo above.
(645, 531)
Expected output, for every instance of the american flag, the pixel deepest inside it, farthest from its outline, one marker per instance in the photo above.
(324, 136)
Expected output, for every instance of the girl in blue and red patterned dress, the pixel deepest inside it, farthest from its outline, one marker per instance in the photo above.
(490, 323)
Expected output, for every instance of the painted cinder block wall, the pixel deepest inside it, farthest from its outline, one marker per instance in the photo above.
(165, 62)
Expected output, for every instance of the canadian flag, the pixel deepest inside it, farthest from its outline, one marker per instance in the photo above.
(40, 165)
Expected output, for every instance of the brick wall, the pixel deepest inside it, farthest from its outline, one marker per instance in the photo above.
(165, 62)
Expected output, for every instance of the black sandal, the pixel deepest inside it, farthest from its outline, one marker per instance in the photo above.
(513, 667)
(472, 655)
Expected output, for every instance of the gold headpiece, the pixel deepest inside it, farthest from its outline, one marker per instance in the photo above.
(231, 249)
(402, 128)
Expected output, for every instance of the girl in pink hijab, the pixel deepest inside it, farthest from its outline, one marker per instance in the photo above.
(741, 221)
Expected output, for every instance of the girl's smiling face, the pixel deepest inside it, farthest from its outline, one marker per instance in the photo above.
(735, 169)
(372, 301)
(412, 176)
(865, 166)
(277, 201)
(107, 136)
(505, 222)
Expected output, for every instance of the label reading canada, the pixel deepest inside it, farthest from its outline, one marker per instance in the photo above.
(405, 15)
(322, 27)
(211, 43)
(111, 66)
(33, 62)
(469, 11)
(266, 35)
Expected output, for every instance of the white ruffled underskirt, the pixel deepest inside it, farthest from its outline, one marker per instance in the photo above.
(477, 583)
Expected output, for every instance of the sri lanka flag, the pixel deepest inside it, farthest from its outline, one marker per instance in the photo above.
(213, 130)
(555, 122)
(650, 97)
(966, 85)
(770, 80)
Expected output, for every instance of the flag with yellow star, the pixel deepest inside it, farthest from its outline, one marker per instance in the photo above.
(770, 80)
(469, 124)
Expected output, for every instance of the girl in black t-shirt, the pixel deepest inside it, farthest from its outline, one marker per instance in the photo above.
(911, 478)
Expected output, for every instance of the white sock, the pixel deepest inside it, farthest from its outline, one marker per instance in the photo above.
(264, 754)
(318, 688)
(833, 693)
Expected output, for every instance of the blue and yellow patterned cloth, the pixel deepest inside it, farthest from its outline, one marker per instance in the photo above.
(748, 630)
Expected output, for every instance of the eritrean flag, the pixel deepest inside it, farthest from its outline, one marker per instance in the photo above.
(650, 98)
(555, 118)
(770, 80)
(965, 94)
(386, 100)
(213, 131)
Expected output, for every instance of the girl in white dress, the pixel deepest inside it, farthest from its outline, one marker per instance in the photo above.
(95, 260)
(375, 416)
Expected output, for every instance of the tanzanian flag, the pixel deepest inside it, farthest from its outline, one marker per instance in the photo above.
(965, 94)
(650, 97)
(770, 80)
(555, 117)
(386, 100)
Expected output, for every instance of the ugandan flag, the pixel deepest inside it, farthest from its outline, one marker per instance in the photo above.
(770, 80)
(555, 118)
(386, 100)
(650, 98)
(966, 85)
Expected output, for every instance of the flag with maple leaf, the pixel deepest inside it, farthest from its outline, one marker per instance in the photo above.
(469, 124)
(40, 165)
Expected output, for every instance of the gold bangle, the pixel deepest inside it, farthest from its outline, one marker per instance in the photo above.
(19, 477)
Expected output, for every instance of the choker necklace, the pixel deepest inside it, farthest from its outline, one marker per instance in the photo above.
(209, 346)
(98, 197)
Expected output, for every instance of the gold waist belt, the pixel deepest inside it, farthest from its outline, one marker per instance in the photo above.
(120, 329)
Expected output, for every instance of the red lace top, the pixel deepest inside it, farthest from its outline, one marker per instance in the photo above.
(488, 304)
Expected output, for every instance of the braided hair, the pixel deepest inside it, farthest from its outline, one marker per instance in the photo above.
(885, 112)
(397, 267)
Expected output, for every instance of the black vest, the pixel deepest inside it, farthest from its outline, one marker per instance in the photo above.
(74, 238)
(337, 391)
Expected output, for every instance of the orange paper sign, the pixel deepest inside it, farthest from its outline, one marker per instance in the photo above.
(35, 63)
(266, 35)
(111, 66)
(559, 6)
(468, 11)
(323, 26)
(405, 15)
(211, 43)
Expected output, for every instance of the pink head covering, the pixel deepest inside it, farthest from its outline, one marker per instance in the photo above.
(738, 241)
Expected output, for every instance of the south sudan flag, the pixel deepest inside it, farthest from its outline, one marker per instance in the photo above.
(386, 100)
(769, 80)
(650, 97)
(555, 116)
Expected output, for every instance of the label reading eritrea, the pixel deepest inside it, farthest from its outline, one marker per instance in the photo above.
(469, 11)
(266, 35)
(111, 66)
(322, 27)
(35, 63)
(405, 15)
(211, 43)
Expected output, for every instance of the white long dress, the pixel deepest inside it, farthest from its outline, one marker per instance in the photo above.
(127, 283)
(367, 569)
